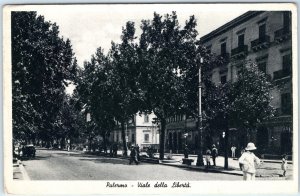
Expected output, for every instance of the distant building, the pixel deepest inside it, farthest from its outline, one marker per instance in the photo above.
(139, 131)
(263, 37)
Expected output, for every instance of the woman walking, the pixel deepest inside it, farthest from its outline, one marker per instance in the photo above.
(247, 161)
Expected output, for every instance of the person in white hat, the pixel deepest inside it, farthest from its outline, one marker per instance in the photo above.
(248, 160)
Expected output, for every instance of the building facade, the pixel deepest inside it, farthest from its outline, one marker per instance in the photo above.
(265, 38)
(139, 131)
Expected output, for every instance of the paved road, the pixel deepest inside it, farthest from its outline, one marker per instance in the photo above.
(63, 165)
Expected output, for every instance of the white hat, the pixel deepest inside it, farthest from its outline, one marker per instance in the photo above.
(250, 146)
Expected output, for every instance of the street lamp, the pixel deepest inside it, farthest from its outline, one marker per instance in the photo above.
(200, 156)
(88, 119)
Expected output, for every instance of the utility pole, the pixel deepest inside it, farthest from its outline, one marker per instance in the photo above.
(200, 155)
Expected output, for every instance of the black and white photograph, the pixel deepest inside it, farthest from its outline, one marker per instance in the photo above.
(150, 98)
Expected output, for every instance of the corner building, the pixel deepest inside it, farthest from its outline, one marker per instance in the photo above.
(140, 130)
(263, 37)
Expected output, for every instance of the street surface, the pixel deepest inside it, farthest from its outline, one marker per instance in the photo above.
(63, 165)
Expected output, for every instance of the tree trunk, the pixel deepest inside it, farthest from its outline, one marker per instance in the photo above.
(226, 148)
(123, 138)
(162, 139)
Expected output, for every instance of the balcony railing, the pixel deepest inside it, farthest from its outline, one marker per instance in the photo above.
(239, 52)
(282, 34)
(281, 74)
(225, 58)
(260, 43)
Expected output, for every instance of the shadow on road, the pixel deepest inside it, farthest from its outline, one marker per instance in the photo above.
(108, 160)
(35, 158)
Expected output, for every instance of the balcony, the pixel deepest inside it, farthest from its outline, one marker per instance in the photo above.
(224, 58)
(281, 74)
(260, 43)
(282, 35)
(239, 52)
(283, 111)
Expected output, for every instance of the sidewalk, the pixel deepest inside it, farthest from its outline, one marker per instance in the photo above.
(268, 169)
(19, 172)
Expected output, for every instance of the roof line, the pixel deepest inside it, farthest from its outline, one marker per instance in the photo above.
(235, 22)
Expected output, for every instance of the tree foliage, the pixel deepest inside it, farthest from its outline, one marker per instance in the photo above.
(165, 51)
(43, 64)
(243, 104)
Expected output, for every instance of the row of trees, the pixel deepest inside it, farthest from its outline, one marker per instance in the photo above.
(43, 65)
(156, 71)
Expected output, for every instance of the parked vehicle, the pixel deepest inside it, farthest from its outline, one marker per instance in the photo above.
(28, 151)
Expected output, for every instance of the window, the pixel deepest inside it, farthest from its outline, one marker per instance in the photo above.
(208, 49)
(286, 20)
(223, 48)
(241, 40)
(262, 66)
(146, 118)
(262, 31)
(286, 103)
(223, 79)
(146, 137)
(287, 63)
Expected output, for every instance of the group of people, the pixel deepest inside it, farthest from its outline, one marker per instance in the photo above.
(248, 160)
(213, 153)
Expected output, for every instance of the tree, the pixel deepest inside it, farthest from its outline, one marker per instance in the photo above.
(124, 78)
(244, 103)
(165, 51)
(42, 66)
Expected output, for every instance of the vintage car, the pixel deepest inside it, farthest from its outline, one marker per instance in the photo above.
(28, 151)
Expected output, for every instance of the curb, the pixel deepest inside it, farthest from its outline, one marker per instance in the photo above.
(202, 169)
(199, 168)
(24, 172)
(20, 171)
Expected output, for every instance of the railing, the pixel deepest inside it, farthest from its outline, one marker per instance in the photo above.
(281, 74)
(239, 50)
(262, 41)
(225, 58)
(281, 33)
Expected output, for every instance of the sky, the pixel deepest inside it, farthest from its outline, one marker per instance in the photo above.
(92, 26)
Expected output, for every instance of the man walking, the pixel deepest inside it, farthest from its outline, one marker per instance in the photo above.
(133, 156)
(233, 148)
(214, 154)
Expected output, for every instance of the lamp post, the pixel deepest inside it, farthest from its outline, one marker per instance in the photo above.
(200, 156)
(88, 119)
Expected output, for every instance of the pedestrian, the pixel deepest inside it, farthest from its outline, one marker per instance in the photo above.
(133, 156)
(115, 149)
(284, 164)
(214, 154)
(111, 150)
(207, 158)
(248, 160)
(186, 152)
(241, 166)
(233, 148)
(138, 152)
(150, 152)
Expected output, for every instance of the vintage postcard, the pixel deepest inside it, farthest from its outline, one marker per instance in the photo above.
(150, 98)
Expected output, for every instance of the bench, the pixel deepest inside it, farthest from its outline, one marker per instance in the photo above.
(187, 161)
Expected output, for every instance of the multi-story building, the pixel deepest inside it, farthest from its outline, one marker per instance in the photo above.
(140, 130)
(263, 37)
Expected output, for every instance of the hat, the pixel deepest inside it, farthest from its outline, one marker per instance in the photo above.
(250, 146)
